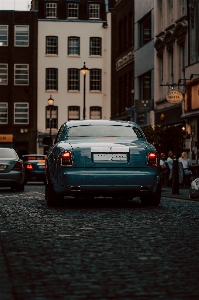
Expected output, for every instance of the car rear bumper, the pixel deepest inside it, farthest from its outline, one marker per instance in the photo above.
(8, 179)
(107, 182)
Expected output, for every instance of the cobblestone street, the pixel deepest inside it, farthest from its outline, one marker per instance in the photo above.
(98, 250)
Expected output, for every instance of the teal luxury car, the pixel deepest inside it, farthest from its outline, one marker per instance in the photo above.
(101, 158)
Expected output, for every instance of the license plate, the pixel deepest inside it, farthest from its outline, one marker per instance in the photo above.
(41, 167)
(2, 167)
(110, 157)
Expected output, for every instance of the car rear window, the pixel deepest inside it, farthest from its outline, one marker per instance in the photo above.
(7, 153)
(26, 158)
(104, 131)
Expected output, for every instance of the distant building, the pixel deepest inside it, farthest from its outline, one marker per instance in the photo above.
(18, 80)
(69, 34)
(122, 79)
(144, 62)
(177, 69)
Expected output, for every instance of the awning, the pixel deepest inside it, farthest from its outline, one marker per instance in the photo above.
(190, 114)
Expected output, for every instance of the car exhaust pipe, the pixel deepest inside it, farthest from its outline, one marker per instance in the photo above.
(75, 189)
(144, 190)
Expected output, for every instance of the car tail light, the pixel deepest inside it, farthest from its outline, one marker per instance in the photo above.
(29, 167)
(66, 159)
(18, 166)
(152, 159)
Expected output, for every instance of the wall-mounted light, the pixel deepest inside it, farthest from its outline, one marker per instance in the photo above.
(162, 117)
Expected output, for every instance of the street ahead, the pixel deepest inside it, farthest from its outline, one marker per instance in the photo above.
(99, 250)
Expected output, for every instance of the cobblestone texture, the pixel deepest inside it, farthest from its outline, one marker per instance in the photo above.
(99, 250)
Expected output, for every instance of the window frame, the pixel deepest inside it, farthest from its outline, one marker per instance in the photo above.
(23, 74)
(92, 80)
(94, 48)
(49, 81)
(3, 74)
(51, 14)
(54, 121)
(18, 43)
(143, 29)
(100, 111)
(18, 118)
(4, 42)
(71, 48)
(73, 10)
(3, 111)
(145, 92)
(94, 9)
(51, 46)
(71, 81)
(78, 112)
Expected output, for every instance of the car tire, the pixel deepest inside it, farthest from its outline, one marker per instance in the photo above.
(20, 187)
(53, 199)
(152, 199)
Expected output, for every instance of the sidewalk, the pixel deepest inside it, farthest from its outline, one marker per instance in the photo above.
(183, 193)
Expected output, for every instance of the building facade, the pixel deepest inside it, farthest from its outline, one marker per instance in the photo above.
(71, 35)
(144, 62)
(18, 80)
(176, 62)
(122, 47)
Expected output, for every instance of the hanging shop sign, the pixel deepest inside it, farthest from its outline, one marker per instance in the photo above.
(174, 97)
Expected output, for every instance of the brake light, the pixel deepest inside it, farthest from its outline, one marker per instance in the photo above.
(66, 159)
(18, 166)
(152, 159)
(29, 166)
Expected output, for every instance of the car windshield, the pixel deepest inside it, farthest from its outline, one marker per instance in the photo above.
(104, 131)
(26, 158)
(7, 153)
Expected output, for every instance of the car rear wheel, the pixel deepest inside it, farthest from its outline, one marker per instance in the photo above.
(152, 199)
(53, 199)
(20, 187)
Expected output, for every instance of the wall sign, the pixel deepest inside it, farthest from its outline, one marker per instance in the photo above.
(174, 97)
(6, 138)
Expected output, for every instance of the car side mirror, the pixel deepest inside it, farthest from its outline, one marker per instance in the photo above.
(47, 140)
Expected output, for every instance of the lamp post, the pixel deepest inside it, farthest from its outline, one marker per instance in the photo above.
(50, 104)
(84, 71)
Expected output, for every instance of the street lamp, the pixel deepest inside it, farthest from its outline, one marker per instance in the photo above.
(84, 70)
(50, 104)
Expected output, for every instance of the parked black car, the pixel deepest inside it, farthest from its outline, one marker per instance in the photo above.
(11, 170)
(34, 165)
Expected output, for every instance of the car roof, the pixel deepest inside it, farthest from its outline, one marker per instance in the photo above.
(99, 123)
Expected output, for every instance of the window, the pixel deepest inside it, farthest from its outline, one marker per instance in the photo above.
(51, 10)
(3, 113)
(51, 117)
(21, 35)
(73, 79)
(145, 86)
(73, 45)
(145, 30)
(3, 74)
(3, 35)
(21, 113)
(52, 79)
(95, 80)
(21, 74)
(95, 112)
(73, 113)
(51, 45)
(94, 11)
(95, 46)
(73, 10)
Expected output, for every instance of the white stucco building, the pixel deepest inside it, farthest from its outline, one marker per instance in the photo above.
(64, 44)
